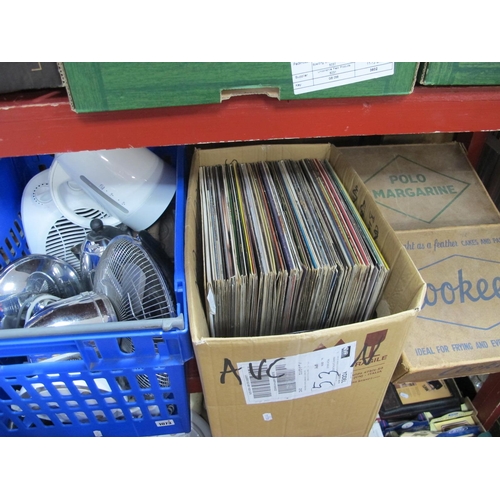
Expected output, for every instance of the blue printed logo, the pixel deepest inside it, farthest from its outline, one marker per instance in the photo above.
(416, 191)
(464, 297)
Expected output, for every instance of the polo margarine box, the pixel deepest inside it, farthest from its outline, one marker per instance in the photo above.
(423, 186)
(449, 225)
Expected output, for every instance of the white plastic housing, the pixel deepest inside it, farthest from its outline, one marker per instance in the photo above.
(134, 185)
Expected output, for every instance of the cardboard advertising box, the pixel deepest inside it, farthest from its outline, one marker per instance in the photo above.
(107, 86)
(226, 364)
(457, 332)
(444, 217)
(460, 73)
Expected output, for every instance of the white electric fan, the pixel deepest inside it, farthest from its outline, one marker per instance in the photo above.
(74, 203)
(134, 185)
(47, 230)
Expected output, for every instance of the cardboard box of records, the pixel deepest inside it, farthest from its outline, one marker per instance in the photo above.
(446, 220)
(272, 380)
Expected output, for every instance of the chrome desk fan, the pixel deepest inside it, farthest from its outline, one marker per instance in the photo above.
(137, 285)
(133, 273)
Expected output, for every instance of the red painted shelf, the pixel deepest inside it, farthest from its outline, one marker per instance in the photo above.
(43, 122)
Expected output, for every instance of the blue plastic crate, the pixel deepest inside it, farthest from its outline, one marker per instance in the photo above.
(80, 382)
(14, 175)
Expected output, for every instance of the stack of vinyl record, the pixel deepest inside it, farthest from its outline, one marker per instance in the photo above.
(284, 249)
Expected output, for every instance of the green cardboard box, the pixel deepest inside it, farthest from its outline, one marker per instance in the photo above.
(118, 86)
(460, 73)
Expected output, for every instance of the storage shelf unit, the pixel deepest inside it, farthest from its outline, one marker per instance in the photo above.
(43, 123)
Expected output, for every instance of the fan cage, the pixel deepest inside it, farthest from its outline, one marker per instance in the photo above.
(133, 282)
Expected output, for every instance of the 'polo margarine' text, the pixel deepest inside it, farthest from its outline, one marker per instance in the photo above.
(410, 191)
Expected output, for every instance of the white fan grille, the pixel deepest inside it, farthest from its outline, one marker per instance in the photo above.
(64, 235)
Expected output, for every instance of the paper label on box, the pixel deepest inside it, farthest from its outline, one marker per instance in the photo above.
(312, 76)
(293, 377)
